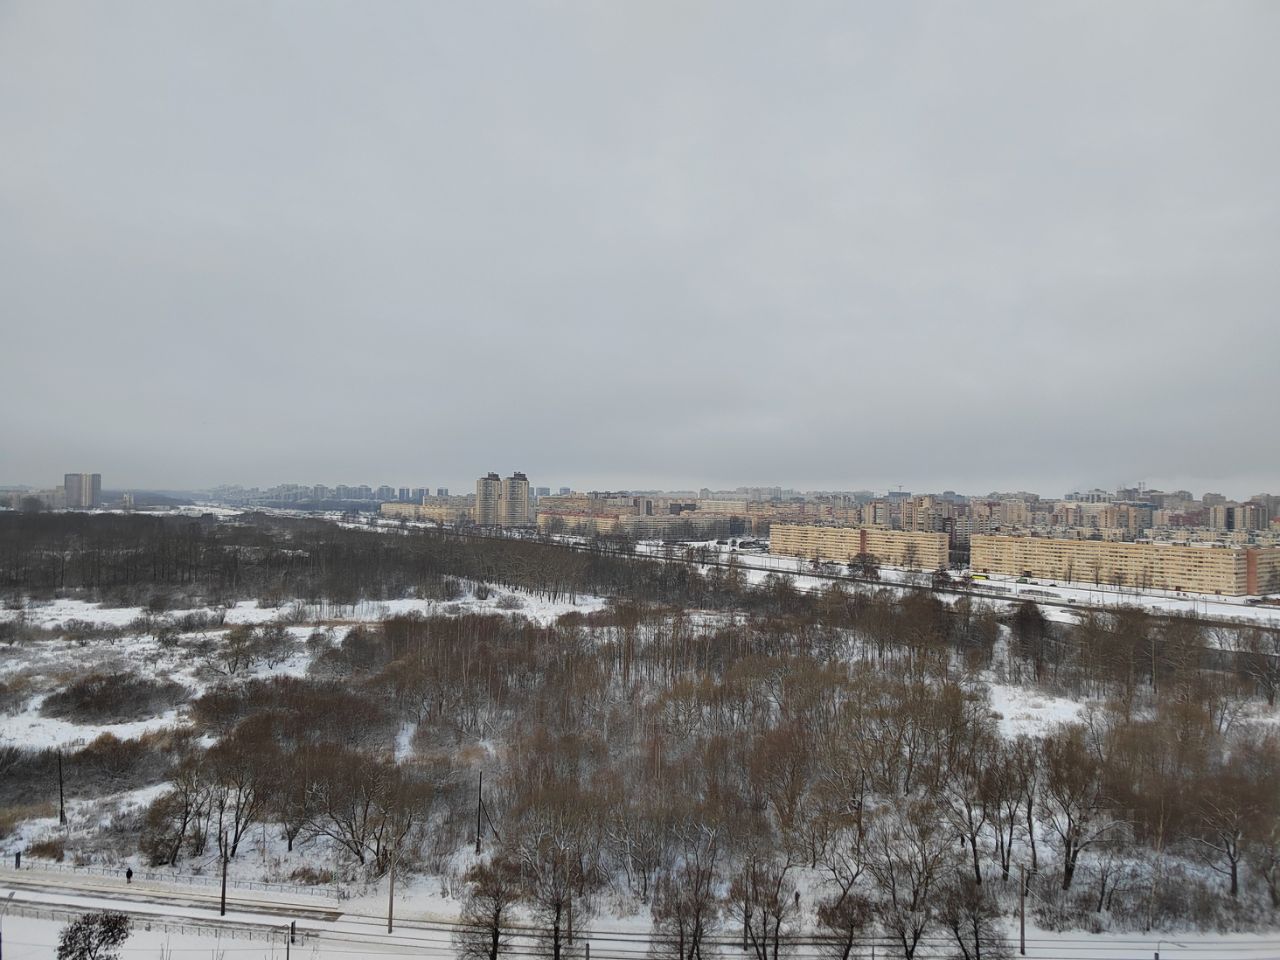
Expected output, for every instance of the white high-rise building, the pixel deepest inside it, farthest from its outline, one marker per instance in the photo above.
(82, 489)
(514, 510)
(503, 503)
(488, 496)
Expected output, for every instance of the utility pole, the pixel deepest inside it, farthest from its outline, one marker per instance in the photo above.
(222, 910)
(1154, 688)
(62, 803)
(391, 891)
(1022, 910)
(479, 808)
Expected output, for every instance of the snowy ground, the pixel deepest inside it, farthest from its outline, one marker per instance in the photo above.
(30, 932)
(47, 664)
(57, 613)
(1026, 711)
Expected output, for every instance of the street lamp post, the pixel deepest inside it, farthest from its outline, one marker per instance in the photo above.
(7, 901)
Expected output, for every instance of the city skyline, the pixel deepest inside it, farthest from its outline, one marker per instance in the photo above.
(466, 485)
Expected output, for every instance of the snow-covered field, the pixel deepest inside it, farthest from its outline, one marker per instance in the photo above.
(1026, 711)
(166, 931)
(49, 663)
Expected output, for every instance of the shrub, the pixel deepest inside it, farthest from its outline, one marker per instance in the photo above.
(200, 620)
(82, 631)
(110, 764)
(14, 694)
(318, 642)
(312, 876)
(295, 711)
(51, 848)
(113, 698)
(11, 816)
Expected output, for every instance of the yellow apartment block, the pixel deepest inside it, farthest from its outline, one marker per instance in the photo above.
(894, 548)
(1232, 571)
(432, 512)
(580, 524)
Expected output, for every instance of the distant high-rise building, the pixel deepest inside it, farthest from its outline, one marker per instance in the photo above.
(488, 495)
(565, 491)
(1239, 516)
(514, 510)
(385, 492)
(82, 489)
(503, 503)
(403, 494)
(542, 491)
(442, 491)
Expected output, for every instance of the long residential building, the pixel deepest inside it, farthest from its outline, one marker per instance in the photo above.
(449, 510)
(1226, 570)
(895, 548)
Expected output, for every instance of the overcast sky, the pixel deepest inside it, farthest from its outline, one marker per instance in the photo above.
(969, 246)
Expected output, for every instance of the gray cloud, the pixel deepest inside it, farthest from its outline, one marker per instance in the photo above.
(670, 244)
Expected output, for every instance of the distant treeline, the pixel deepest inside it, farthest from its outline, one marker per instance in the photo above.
(126, 558)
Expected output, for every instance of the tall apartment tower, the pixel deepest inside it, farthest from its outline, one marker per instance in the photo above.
(82, 489)
(488, 497)
(514, 510)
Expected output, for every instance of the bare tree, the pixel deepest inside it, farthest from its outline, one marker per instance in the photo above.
(485, 924)
(842, 920)
(970, 912)
(910, 850)
(1071, 798)
(94, 936)
(557, 875)
(1232, 802)
(1000, 794)
(763, 898)
(686, 906)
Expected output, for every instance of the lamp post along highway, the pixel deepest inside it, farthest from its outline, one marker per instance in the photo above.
(7, 900)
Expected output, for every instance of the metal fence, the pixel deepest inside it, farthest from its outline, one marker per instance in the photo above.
(157, 924)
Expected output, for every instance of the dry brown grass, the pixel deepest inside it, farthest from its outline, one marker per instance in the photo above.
(51, 848)
(10, 817)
